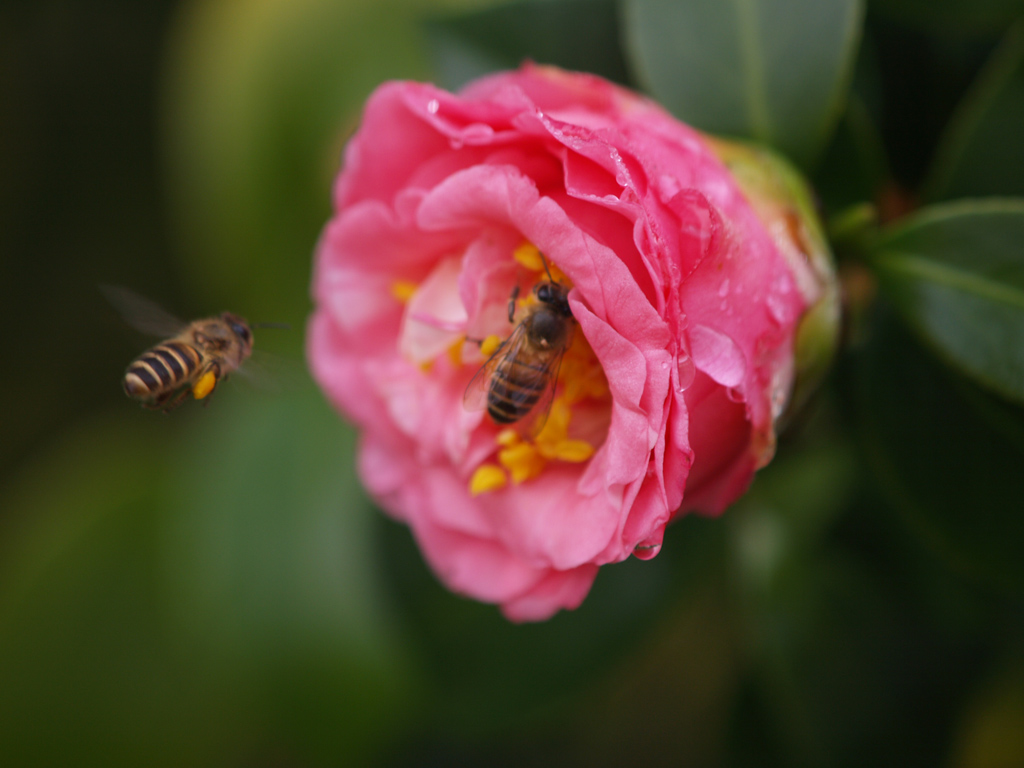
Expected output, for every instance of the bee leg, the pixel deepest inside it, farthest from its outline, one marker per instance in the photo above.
(512, 303)
(162, 403)
(206, 381)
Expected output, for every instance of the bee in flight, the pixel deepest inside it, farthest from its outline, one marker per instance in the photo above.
(523, 371)
(195, 357)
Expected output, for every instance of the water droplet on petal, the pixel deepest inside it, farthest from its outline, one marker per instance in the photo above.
(433, 105)
(780, 387)
(646, 551)
(687, 371)
(723, 289)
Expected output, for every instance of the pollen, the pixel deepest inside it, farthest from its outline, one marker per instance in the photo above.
(490, 345)
(205, 385)
(507, 437)
(553, 442)
(403, 290)
(487, 478)
(572, 451)
(455, 352)
(556, 428)
(523, 461)
(528, 255)
(582, 373)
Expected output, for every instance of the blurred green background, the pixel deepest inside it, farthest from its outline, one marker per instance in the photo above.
(213, 588)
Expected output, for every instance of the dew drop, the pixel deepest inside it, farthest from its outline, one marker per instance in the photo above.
(780, 388)
(687, 371)
(646, 551)
(433, 105)
(723, 289)
(778, 403)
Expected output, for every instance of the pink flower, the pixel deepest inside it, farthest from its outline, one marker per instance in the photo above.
(685, 309)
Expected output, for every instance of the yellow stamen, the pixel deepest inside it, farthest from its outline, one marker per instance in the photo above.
(490, 345)
(553, 442)
(403, 290)
(581, 373)
(205, 385)
(523, 461)
(574, 451)
(487, 478)
(507, 437)
(528, 255)
(584, 383)
(556, 428)
(455, 352)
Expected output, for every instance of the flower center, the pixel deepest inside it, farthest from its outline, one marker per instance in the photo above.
(542, 382)
(579, 378)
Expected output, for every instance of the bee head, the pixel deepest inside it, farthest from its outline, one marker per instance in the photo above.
(239, 326)
(555, 296)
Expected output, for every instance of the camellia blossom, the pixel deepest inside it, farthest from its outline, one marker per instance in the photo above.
(686, 301)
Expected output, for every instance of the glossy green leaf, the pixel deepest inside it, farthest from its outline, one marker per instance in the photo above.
(775, 71)
(956, 272)
(580, 35)
(982, 149)
(854, 166)
(195, 590)
(947, 454)
(270, 565)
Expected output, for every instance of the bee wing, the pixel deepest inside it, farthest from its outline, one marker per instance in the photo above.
(141, 313)
(543, 407)
(475, 398)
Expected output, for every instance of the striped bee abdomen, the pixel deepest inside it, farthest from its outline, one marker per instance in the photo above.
(515, 388)
(162, 369)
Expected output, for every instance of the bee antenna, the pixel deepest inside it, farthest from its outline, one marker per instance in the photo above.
(282, 326)
(544, 261)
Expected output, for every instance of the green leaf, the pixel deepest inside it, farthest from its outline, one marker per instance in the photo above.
(982, 149)
(956, 272)
(854, 167)
(195, 590)
(574, 34)
(268, 553)
(832, 607)
(947, 454)
(775, 71)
